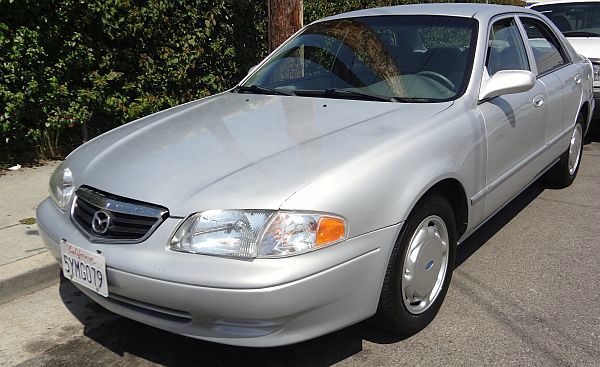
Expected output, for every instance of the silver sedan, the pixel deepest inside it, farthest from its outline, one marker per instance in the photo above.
(332, 185)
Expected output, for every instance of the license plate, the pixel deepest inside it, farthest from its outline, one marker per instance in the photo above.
(84, 267)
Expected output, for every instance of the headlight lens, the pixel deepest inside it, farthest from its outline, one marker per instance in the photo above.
(61, 186)
(596, 72)
(221, 232)
(256, 233)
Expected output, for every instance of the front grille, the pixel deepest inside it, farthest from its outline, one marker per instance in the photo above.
(104, 217)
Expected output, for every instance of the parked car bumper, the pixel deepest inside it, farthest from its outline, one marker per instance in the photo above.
(290, 300)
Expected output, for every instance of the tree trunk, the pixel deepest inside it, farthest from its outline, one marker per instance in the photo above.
(285, 18)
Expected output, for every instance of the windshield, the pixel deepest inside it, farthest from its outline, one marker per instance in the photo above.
(574, 19)
(387, 58)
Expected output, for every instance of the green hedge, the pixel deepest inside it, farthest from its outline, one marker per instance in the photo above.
(72, 69)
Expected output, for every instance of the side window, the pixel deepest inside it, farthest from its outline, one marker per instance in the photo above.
(506, 50)
(547, 50)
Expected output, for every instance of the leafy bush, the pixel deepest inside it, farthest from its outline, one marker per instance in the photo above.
(72, 69)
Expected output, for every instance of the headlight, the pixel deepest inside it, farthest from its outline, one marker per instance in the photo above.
(257, 233)
(596, 72)
(61, 186)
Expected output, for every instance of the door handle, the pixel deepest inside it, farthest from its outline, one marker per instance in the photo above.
(577, 79)
(538, 101)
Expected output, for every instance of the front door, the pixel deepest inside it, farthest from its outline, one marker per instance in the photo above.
(515, 123)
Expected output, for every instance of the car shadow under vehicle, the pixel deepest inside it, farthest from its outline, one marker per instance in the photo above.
(592, 136)
(129, 340)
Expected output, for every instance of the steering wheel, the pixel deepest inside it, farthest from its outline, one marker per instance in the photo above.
(442, 79)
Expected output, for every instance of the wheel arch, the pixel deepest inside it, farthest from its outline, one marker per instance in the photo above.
(452, 190)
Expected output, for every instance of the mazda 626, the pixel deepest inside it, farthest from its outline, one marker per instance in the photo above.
(332, 185)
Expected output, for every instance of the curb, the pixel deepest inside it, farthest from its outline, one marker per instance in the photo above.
(27, 276)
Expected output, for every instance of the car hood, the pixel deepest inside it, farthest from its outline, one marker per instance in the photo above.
(234, 151)
(586, 46)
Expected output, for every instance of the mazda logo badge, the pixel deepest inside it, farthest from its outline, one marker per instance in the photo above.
(101, 221)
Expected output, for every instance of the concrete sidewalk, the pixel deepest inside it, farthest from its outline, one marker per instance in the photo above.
(25, 265)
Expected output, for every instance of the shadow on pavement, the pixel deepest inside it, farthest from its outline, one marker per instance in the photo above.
(593, 136)
(497, 222)
(128, 339)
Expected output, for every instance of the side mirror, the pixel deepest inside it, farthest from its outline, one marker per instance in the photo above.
(252, 69)
(507, 82)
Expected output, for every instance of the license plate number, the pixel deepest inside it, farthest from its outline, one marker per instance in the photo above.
(84, 267)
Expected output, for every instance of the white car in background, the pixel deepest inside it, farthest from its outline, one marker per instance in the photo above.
(579, 21)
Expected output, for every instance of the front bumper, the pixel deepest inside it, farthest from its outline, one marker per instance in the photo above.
(259, 303)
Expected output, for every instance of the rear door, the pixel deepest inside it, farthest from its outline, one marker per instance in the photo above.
(555, 69)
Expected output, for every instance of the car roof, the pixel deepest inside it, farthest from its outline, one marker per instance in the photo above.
(479, 11)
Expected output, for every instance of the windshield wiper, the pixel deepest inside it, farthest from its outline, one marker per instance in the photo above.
(581, 34)
(343, 93)
(415, 100)
(259, 89)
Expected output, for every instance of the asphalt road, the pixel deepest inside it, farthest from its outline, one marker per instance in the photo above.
(526, 291)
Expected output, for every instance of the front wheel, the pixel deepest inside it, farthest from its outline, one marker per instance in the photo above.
(564, 172)
(419, 269)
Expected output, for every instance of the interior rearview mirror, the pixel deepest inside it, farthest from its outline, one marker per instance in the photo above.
(507, 82)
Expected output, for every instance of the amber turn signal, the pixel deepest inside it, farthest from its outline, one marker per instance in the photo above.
(330, 230)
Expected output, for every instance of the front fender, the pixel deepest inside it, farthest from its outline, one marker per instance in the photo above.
(380, 187)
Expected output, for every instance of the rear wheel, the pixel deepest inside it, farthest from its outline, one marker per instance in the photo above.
(564, 172)
(419, 269)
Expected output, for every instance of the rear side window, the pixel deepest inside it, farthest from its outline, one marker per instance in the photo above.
(506, 50)
(547, 51)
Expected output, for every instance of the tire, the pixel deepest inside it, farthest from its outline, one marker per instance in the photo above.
(563, 173)
(395, 312)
